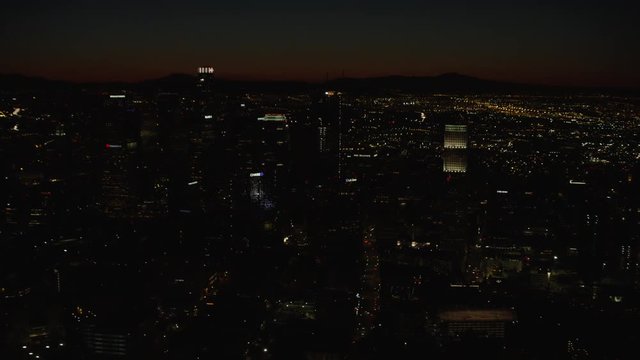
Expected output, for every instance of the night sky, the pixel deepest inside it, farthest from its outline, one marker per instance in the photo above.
(565, 42)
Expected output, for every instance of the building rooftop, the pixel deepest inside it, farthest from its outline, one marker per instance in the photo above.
(477, 315)
(273, 117)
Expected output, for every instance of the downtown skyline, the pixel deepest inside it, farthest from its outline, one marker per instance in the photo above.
(409, 179)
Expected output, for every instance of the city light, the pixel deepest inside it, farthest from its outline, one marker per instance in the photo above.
(321, 215)
(273, 117)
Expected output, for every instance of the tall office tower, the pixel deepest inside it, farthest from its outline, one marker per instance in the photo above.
(152, 174)
(205, 80)
(330, 131)
(205, 75)
(454, 157)
(455, 212)
(274, 144)
(118, 197)
(174, 147)
(256, 190)
(121, 129)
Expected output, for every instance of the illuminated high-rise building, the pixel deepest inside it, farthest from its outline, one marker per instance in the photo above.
(330, 133)
(271, 176)
(454, 157)
(205, 80)
(206, 73)
(121, 132)
(257, 192)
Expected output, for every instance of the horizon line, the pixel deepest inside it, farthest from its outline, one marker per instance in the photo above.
(249, 78)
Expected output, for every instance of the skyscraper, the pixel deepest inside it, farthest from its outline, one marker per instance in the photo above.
(330, 132)
(269, 164)
(454, 157)
(120, 123)
(205, 80)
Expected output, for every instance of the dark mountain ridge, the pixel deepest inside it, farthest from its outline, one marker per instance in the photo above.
(445, 83)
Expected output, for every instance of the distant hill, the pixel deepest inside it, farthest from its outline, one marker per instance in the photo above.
(21, 83)
(445, 83)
